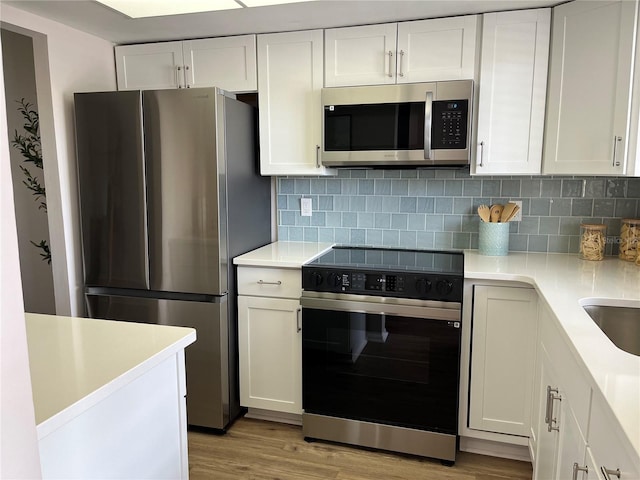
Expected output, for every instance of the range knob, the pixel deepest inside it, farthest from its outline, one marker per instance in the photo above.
(444, 287)
(316, 279)
(335, 280)
(423, 286)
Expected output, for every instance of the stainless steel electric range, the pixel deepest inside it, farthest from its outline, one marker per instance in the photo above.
(381, 332)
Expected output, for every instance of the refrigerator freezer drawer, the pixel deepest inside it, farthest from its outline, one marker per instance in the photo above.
(206, 359)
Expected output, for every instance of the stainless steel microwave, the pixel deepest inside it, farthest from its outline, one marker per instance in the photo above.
(415, 124)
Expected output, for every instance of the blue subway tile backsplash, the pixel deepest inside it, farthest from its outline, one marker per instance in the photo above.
(436, 208)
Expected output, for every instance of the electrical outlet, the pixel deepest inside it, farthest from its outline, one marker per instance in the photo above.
(305, 207)
(518, 216)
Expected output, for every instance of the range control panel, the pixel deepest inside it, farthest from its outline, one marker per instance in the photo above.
(431, 286)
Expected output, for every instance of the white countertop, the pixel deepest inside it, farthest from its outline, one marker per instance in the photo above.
(76, 362)
(283, 254)
(563, 281)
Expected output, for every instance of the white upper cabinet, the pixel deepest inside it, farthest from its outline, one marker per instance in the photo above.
(438, 49)
(512, 90)
(407, 52)
(149, 67)
(360, 55)
(226, 62)
(289, 84)
(589, 99)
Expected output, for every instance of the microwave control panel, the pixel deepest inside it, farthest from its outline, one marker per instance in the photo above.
(449, 124)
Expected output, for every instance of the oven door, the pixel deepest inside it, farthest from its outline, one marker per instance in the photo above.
(372, 359)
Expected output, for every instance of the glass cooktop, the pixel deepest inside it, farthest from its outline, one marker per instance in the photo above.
(391, 259)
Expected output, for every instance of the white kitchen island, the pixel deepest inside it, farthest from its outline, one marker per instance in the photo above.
(109, 397)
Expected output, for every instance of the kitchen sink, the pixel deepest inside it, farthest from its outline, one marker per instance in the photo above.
(620, 324)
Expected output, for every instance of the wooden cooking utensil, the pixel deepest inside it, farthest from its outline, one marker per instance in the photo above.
(507, 211)
(495, 212)
(513, 214)
(484, 213)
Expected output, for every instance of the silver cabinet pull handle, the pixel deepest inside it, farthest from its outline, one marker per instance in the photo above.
(186, 76)
(481, 154)
(547, 411)
(299, 320)
(400, 66)
(178, 70)
(549, 420)
(577, 468)
(390, 74)
(616, 139)
(606, 472)
(262, 282)
(318, 156)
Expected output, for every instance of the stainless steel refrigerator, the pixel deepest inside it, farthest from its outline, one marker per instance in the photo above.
(169, 194)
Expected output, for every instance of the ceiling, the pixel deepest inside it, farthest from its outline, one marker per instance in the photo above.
(97, 19)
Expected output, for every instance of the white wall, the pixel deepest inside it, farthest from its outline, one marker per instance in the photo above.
(66, 61)
(19, 457)
(31, 220)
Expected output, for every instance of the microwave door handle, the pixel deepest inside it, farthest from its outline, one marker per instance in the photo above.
(427, 125)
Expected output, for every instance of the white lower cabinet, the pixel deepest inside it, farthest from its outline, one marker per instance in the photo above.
(578, 436)
(607, 450)
(502, 359)
(561, 445)
(572, 430)
(119, 436)
(547, 439)
(270, 341)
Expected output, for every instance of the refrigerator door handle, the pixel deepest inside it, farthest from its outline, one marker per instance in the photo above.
(221, 154)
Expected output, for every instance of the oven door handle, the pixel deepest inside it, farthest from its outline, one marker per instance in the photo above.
(449, 311)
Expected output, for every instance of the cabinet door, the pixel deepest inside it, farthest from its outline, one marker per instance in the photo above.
(572, 446)
(593, 472)
(512, 90)
(270, 347)
(289, 84)
(502, 359)
(547, 441)
(561, 449)
(150, 66)
(360, 55)
(439, 49)
(117, 436)
(609, 446)
(589, 87)
(226, 62)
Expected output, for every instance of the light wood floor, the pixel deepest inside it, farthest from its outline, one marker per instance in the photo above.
(259, 450)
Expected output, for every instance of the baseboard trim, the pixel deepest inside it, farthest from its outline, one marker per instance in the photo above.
(495, 449)
(271, 416)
